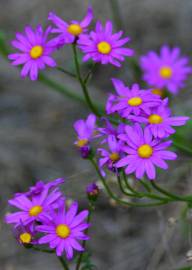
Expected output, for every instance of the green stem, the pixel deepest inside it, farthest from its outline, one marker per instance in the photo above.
(122, 188)
(116, 13)
(81, 81)
(63, 262)
(117, 199)
(128, 185)
(66, 72)
(145, 185)
(43, 250)
(142, 194)
(84, 242)
(169, 194)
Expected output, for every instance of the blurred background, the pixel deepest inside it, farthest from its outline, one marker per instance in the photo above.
(36, 138)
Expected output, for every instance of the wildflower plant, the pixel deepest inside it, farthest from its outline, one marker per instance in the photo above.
(130, 136)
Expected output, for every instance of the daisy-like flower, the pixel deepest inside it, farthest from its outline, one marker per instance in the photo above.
(92, 191)
(40, 186)
(160, 121)
(132, 101)
(85, 130)
(25, 235)
(111, 157)
(143, 152)
(168, 70)
(69, 32)
(35, 207)
(35, 51)
(103, 46)
(64, 229)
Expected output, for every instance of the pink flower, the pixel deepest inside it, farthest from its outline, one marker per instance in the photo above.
(103, 46)
(168, 70)
(34, 50)
(63, 229)
(131, 100)
(143, 152)
(68, 32)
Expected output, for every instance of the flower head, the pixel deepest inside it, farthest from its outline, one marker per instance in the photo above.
(160, 121)
(132, 100)
(92, 191)
(85, 130)
(168, 70)
(103, 46)
(33, 206)
(35, 51)
(25, 235)
(68, 32)
(63, 229)
(111, 157)
(143, 152)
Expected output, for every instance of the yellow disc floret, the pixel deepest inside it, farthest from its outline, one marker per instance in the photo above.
(166, 72)
(36, 52)
(82, 142)
(25, 238)
(75, 29)
(145, 151)
(155, 119)
(104, 47)
(114, 156)
(135, 101)
(158, 92)
(35, 210)
(63, 231)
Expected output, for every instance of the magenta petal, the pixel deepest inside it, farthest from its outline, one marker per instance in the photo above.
(47, 238)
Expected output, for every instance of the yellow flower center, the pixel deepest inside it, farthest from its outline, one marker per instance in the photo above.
(166, 72)
(63, 231)
(135, 101)
(36, 52)
(82, 142)
(75, 29)
(35, 211)
(104, 47)
(114, 157)
(25, 238)
(145, 151)
(155, 119)
(158, 92)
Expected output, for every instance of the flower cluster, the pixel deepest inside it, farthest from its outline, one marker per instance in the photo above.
(139, 142)
(36, 47)
(43, 218)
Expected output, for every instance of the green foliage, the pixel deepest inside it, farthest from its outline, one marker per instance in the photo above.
(86, 263)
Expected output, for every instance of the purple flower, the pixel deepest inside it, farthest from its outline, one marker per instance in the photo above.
(103, 46)
(85, 130)
(68, 32)
(35, 51)
(160, 121)
(92, 189)
(64, 229)
(34, 207)
(109, 129)
(110, 158)
(143, 152)
(25, 235)
(132, 101)
(40, 186)
(167, 70)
